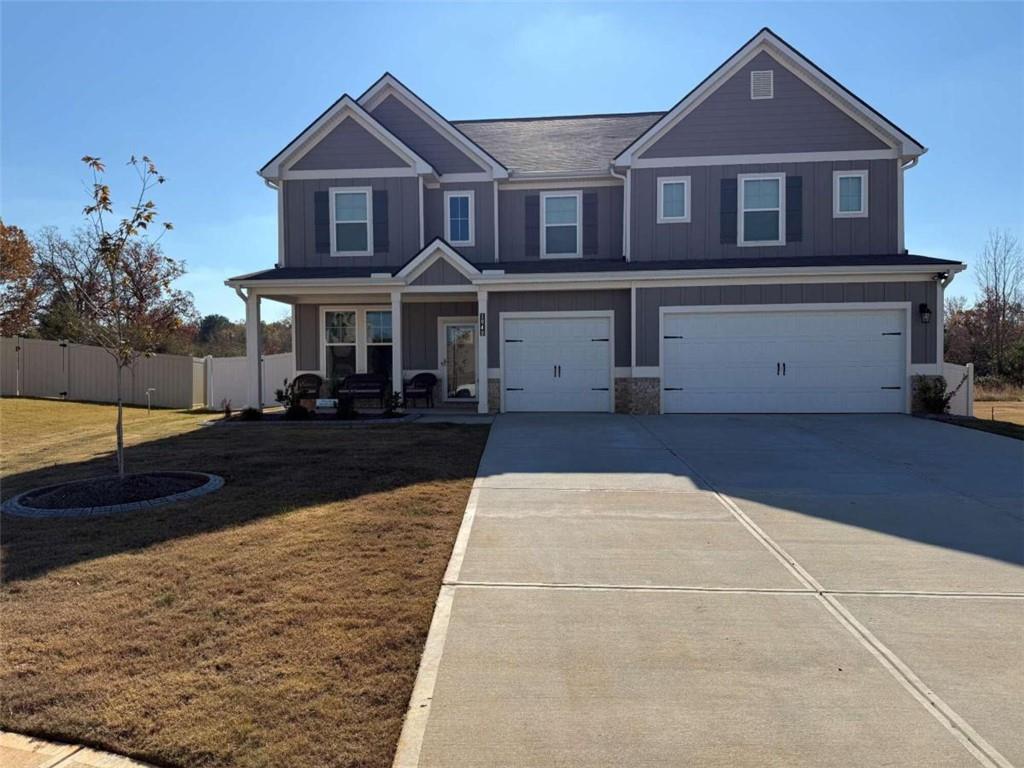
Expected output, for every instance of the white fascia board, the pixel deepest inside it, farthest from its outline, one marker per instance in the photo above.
(343, 109)
(766, 41)
(780, 157)
(389, 85)
(437, 249)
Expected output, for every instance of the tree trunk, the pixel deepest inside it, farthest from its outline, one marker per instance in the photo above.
(120, 425)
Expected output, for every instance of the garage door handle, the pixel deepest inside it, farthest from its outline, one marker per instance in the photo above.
(892, 333)
(673, 389)
(892, 387)
(675, 337)
(513, 341)
(599, 339)
(778, 368)
(783, 369)
(513, 389)
(599, 389)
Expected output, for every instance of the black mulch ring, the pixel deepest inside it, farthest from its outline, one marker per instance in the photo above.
(110, 491)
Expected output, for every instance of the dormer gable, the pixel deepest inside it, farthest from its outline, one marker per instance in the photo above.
(438, 264)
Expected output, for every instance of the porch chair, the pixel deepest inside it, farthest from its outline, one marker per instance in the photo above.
(307, 386)
(421, 386)
(364, 385)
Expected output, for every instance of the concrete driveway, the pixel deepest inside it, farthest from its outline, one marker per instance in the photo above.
(730, 591)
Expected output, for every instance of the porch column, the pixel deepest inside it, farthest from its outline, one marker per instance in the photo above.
(396, 342)
(252, 349)
(481, 351)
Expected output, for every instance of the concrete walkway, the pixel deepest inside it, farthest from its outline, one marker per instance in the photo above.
(17, 751)
(730, 591)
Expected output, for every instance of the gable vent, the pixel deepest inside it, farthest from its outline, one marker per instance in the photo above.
(762, 84)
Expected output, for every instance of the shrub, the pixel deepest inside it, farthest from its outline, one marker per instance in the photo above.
(226, 406)
(296, 412)
(930, 394)
(250, 414)
(289, 396)
(392, 402)
(346, 408)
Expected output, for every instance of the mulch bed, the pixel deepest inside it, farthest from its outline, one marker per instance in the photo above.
(110, 491)
(1004, 428)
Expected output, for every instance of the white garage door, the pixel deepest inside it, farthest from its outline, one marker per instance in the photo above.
(784, 361)
(554, 363)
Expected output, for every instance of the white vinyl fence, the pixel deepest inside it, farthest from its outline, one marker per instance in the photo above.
(41, 368)
(960, 379)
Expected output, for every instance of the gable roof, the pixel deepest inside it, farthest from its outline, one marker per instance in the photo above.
(436, 250)
(344, 108)
(583, 143)
(799, 65)
(389, 85)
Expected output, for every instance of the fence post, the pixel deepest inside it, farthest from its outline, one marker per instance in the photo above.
(970, 389)
(208, 372)
(17, 373)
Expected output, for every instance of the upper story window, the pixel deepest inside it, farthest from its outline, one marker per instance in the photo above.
(458, 220)
(762, 84)
(762, 206)
(351, 217)
(673, 199)
(849, 194)
(560, 224)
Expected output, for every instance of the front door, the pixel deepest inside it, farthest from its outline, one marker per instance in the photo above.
(458, 364)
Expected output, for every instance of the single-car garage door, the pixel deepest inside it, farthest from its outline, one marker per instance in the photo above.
(790, 360)
(557, 362)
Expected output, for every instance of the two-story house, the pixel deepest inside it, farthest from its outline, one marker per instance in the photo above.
(741, 252)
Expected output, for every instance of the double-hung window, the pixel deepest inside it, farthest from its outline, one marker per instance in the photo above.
(340, 338)
(560, 224)
(352, 221)
(849, 194)
(378, 342)
(673, 199)
(762, 209)
(356, 340)
(458, 218)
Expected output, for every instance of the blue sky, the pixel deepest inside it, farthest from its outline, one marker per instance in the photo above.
(213, 90)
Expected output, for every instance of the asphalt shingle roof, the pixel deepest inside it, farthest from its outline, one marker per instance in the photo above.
(544, 144)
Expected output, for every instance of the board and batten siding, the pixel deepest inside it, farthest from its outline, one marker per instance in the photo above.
(307, 337)
(300, 222)
(423, 139)
(822, 235)
(348, 145)
(482, 251)
(512, 222)
(649, 301)
(441, 273)
(616, 300)
(796, 119)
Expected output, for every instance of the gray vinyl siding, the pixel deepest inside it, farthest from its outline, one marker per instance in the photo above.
(307, 337)
(482, 251)
(512, 224)
(823, 235)
(560, 301)
(422, 139)
(419, 330)
(348, 145)
(403, 223)
(729, 122)
(650, 300)
(441, 273)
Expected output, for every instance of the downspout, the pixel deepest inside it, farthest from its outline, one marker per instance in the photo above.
(902, 218)
(241, 294)
(280, 219)
(625, 209)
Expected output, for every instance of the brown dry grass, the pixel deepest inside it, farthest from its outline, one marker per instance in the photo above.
(277, 622)
(1012, 412)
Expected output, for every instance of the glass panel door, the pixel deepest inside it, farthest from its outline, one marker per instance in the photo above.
(460, 361)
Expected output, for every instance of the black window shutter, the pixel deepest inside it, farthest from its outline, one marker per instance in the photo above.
(794, 209)
(590, 223)
(727, 216)
(322, 222)
(380, 221)
(532, 221)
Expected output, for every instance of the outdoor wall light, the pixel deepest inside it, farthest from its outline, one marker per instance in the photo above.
(926, 313)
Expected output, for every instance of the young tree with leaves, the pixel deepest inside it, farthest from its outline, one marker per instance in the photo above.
(113, 285)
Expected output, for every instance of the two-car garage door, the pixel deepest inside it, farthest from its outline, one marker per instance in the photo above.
(839, 360)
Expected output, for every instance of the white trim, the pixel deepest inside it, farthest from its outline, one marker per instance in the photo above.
(627, 219)
(851, 306)
(448, 195)
(632, 326)
(939, 321)
(777, 157)
(419, 190)
(863, 212)
(567, 182)
(483, 373)
(368, 192)
(344, 108)
(497, 228)
(770, 83)
(661, 217)
(389, 85)
(280, 223)
(397, 377)
(361, 342)
(740, 211)
(455, 178)
(782, 53)
(544, 197)
(442, 348)
(609, 314)
(646, 372)
(901, 240)
(350, 173)
(425, 258)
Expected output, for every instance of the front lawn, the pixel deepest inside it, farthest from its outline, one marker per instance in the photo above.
(277, 622)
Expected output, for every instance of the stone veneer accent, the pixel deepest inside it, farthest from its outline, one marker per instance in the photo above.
(493, 395)
(639, 397)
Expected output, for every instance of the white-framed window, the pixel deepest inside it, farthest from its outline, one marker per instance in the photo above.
(355, 340)
(673, 199)
(762, 209)
(560, 224)
(459, 216)
(762, 84)
(849, 194)
(351, 221)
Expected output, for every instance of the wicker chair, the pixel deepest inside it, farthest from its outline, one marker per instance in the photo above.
(307, 386)
(421, 386)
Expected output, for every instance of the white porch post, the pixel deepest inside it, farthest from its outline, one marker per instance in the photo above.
(252, 349)
(481, 351)
(396, 342)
